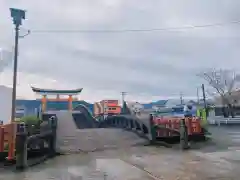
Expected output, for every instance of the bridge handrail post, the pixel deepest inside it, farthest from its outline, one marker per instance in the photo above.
(152, 129)
(112, 120)
(124, 124)
(117, 122)
(52, 142)
(183, 135)
(127, 124)
(120, 122)
(21, 146)
(107, 123)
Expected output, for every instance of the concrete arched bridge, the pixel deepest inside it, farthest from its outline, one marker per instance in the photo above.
(78, 131)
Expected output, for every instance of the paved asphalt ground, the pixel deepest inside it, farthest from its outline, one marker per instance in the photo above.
(226, 136)
(218, 159)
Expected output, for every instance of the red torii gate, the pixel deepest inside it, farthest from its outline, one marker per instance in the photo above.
(45, 92)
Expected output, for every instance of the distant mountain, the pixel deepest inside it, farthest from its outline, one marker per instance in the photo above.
(156, 103)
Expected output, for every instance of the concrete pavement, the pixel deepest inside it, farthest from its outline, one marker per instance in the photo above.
(134, 163)
(226, 136)
(219, 159)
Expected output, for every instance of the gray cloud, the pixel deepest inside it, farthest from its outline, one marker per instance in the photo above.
(155, 63)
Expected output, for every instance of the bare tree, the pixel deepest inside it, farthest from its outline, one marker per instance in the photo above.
(223, 82)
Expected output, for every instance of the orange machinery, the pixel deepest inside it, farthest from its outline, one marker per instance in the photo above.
(107, 107)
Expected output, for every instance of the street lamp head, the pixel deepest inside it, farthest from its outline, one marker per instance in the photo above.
(17, 15)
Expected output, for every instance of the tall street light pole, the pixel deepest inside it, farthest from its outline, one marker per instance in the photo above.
(17, 15)
(123, 96)
(181, 98)
(123, 102)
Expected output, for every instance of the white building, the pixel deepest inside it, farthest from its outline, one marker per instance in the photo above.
(135, 106)
(5, 103)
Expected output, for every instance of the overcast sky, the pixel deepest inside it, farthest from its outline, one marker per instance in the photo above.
(148, 65)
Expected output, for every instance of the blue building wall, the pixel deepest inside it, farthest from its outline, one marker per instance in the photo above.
(31, 106)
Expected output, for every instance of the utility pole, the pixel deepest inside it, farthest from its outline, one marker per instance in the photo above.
(181, 98)
(123, 99)
(198, 95)
(17, 15)
(123, 96)
(204, 97)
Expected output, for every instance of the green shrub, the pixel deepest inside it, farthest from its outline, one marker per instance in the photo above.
(32, 123)
(30, 120)
(6, 147)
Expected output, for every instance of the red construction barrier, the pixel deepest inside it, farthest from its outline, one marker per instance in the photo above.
(1, 139)
(193, 124)
(188, 122)
(7, 139)
(164, 122)
(169, 125)
(159, 121)
(196, 125)
(175, 123)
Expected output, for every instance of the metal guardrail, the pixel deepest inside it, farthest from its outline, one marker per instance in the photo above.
(218, 120)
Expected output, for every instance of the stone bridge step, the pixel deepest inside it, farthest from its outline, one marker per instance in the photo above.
(88, 140)
(70, 139)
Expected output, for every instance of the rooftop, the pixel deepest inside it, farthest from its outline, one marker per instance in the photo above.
(55, 91)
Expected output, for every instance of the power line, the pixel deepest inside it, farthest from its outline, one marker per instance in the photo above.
(137, 30)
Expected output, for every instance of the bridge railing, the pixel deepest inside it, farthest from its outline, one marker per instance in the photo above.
(47, 132)
(219, 120)
(157, 129)
(14, 141)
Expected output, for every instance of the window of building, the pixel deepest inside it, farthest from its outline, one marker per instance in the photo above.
(111, 108)
(19, 115)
